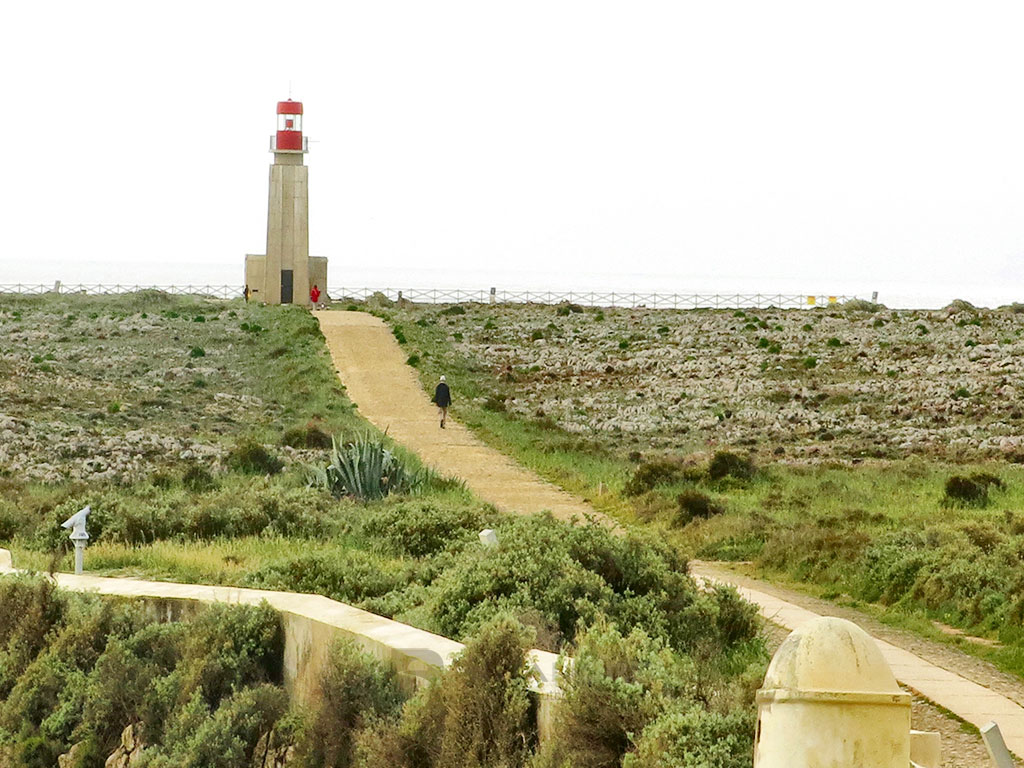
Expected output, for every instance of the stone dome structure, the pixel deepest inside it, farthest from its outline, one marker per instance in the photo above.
(830, 654)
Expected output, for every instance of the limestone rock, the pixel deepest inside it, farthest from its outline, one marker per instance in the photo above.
(270, 753)
(128, 753)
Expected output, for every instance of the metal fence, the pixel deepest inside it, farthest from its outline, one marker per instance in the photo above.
(484, 296)
(594, 298)
(205, 291)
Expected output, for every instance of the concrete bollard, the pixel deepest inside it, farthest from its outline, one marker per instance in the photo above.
(925, 749)
(830, 699)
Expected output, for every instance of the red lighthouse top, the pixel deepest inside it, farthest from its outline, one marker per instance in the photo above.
(289, 127)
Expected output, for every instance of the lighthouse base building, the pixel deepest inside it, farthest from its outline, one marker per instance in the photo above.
(286, 273)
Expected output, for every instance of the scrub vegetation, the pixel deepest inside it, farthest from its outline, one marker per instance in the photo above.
(888, 473)
(234, 457)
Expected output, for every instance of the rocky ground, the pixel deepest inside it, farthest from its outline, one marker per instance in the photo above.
(92, 391)
(804, 385)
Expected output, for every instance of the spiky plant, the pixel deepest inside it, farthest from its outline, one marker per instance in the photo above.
(367, 468)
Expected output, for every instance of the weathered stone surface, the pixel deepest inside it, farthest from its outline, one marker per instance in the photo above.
(69, 758)
(270, 753)
(822, 384)
(130, 750)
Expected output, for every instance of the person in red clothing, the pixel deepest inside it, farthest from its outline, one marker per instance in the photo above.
(314, 295)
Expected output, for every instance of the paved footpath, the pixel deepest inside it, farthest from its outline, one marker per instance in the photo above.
(372, 366)
(966, 699)
(388, 394)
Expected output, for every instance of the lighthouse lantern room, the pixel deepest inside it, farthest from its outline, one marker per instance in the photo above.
(289, 136)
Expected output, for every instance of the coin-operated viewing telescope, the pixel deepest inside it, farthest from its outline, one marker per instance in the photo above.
(78, 534)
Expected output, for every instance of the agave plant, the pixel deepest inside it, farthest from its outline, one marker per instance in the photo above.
(366, 469)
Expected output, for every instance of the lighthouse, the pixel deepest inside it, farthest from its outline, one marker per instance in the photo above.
(286, 272)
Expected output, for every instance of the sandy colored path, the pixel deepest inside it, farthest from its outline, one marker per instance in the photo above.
(387, 392)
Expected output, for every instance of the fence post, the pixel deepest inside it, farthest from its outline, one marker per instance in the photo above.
(494, 294)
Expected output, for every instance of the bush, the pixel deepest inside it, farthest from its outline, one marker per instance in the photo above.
(970, 491)
(454, 309)
(566, 574)
(686, 737)
(615, 686)
(495, 403)
(650, 474)
(693, 504)
(726, 464)
(224, 738)
(197, 478)
(478, 715)
(309, 436)
(350, 576)
(354, 689)
(251, 458)
(32, 608)
(422, 528)
(197, 352)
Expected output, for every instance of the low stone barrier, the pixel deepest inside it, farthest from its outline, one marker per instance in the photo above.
(311, 624)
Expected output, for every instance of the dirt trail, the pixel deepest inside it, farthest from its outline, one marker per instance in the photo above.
(388, 394)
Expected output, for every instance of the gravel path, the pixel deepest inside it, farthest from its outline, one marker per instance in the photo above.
(374, 371)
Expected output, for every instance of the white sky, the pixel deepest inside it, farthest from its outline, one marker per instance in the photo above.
(803, 146)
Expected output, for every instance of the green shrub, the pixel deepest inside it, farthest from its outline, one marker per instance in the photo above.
(354, 689)
(32, 607)
(477, 716)
(413, 360)
(495, 403)
(727, 464)
(536, 334)
(197, 478)
(694, 504)
(651, 474)
(970, 491)
(687, 737)
(422, 528)
(251, 458)
(230, 647)
(197, 352)
(564, 574)
(615, 686)
(350, 576)
(810, 362)
(454, 309)
(833, 342)
(309, 436)
(225, 737)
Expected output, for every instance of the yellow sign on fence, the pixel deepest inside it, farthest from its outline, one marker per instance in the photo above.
(812, 300)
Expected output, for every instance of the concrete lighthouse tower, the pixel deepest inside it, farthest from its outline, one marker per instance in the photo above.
(286, 273)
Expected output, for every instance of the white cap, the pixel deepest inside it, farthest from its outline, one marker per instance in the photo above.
(442, 377)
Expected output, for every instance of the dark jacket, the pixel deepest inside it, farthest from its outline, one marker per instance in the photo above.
(442, 395)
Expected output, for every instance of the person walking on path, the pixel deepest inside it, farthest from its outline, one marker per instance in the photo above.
(314, 295)
(442, 399)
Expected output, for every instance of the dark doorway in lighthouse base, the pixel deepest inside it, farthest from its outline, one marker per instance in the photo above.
(286, 286)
